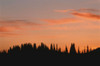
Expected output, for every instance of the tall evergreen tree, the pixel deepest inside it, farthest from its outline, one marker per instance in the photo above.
(72, 49)
(66, 50)
(34, 46)
(56, 47)
(51, 47)
(87, 49)
(84, 50)
(78, 50)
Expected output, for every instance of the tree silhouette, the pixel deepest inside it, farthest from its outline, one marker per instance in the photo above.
(78, 50)
(66, 50)
(72, 49)
(87, 49)
(84, 51)
(34, 47)
(56, 47)
(43, 47)
(59, 50)
(51, 47)
(90, 49)
(29, 50)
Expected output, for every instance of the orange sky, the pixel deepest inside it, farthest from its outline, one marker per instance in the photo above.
(50, 21)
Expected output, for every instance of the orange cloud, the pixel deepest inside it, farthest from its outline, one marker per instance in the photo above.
(62, 21)
(80, 26)
(83, 13)
(10, 26)
(86, 15)
(88, 9)
(63, 11)
(17, 23)
(80, 10)
(8, 29)
(9, 34)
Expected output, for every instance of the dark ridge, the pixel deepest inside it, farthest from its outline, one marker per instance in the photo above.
(32, 51)
(28, 54)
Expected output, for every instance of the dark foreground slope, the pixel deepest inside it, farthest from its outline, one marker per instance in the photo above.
(29, 50)
(30, 54)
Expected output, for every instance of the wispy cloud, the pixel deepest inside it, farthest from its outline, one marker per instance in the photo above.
(9, 34)
(15, 25)
(88, 10)
(80, 26)
(8, 28)
(63, 11)
(87, 15)
(80, 10)
(62, 21)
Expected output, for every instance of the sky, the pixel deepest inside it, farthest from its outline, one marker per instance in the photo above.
(59, 22)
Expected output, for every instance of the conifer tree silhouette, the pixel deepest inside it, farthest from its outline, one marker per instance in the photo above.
(29, 50)
(59, 50)
(84, 51)
(56, 47)
(51, 47)
(78, 50)
(66, 49)
(87, 49)
(34, 47)
(72, 49)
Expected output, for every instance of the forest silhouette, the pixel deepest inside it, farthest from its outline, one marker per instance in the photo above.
(29, 50)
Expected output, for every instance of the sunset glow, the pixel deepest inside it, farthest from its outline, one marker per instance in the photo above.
(59, 22)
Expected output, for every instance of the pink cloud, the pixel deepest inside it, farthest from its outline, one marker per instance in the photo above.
(63, 11)
(81, 26)
(8, 29)
(80, 10)
(11, 26)
(17, 23)
(88, 10)
(9, 34)
(86, 15)
(62, 21)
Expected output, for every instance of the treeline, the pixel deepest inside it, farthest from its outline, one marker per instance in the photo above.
(32, 50)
